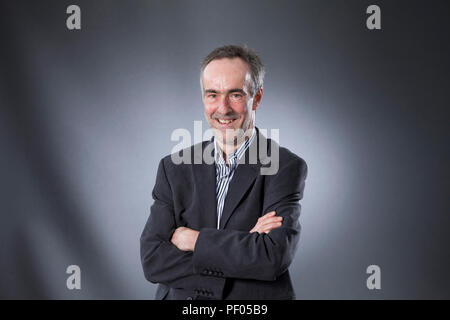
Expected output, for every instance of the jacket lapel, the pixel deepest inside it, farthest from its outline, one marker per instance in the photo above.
(243, 178)
(205, 183)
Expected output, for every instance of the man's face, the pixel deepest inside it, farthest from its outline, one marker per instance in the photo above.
(229, 105)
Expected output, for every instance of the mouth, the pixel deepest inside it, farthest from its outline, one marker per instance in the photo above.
(225, 123)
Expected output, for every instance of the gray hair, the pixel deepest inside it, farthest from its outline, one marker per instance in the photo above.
(246, 54)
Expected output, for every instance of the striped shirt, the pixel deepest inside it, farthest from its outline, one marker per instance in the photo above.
(225, 173)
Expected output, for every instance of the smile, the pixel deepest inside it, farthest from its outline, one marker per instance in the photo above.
(225, 121)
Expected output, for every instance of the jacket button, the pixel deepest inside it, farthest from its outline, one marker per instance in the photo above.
(189, 298)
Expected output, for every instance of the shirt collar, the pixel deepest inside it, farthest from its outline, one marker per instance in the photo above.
(236, 155)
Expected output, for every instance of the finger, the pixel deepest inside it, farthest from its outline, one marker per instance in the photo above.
(261, 224)
(270, 220)
(267, 227)
(180, 229)
(267, 215)
(255, 229)
(272, 226)
(259, 228)
(267, 218)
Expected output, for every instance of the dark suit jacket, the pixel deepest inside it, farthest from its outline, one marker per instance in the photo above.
(230, 262)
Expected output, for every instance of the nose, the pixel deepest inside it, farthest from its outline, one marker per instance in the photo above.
(224, 105)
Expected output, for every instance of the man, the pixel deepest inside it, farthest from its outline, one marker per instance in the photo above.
(224, 230)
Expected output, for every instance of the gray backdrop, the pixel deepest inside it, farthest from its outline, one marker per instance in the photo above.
(86, 115)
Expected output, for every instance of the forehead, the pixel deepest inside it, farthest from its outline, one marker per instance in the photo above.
(226, 73)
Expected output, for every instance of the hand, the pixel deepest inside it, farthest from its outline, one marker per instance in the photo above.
(184, 238)
(267, 223)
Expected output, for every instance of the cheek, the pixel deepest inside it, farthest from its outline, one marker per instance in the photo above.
(209, 109)
(240, 108)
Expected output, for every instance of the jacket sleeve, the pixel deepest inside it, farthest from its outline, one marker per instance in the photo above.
(162, 261)
(240, 254)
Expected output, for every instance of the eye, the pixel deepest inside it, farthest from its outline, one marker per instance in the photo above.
(236, 95)
(211, 95)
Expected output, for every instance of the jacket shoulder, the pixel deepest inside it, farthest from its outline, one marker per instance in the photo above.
(187, 154)
(289, 158)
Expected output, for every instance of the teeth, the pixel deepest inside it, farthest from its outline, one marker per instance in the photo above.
(225, 121)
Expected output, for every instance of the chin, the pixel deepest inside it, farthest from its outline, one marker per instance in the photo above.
(223, 136)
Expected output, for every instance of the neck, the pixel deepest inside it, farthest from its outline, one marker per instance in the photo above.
(230, 148)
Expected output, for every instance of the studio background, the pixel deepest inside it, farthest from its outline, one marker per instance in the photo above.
(86, 116)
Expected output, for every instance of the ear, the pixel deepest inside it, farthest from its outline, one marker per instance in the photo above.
(257, 98)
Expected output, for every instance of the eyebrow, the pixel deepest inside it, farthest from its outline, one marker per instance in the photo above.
(229, 91)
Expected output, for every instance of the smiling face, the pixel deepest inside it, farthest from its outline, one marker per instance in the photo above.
(229, 104)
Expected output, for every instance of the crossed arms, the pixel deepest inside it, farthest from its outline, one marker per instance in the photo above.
(176, 256)
(185, 238)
